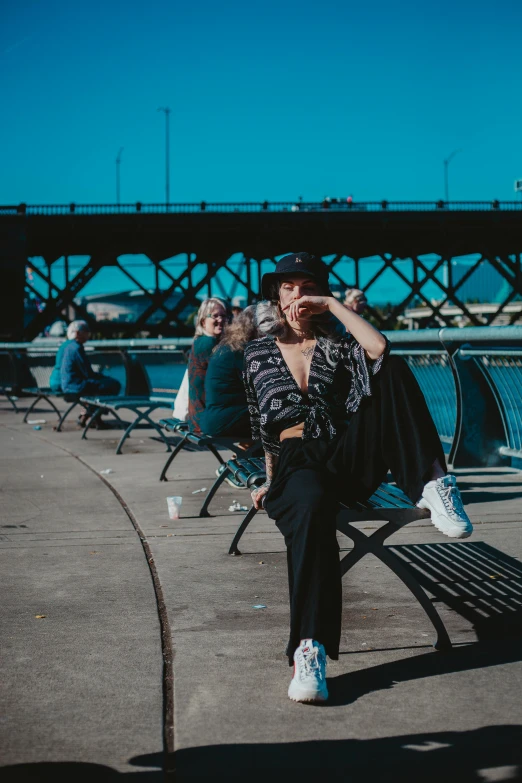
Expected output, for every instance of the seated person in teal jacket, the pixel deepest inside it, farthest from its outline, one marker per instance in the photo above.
(55, 381)
(211, 319)
(76, 374)
(226, 410)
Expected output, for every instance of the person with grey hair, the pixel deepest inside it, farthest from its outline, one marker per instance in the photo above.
(355, 299)
(334, 413)
(55, 381)
(76, 374)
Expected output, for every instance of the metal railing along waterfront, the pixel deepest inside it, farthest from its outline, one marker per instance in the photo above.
(266, 206)
(492, 362)
(142, 366)
(431, 366)
(471, 379)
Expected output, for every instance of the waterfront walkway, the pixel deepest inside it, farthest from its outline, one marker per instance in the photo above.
(93, 572)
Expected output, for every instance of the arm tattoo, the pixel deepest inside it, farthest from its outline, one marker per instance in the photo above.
(271, 462)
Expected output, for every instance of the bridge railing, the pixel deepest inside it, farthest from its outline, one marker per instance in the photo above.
(431, 365)
(471, 379)
(266, 206)
(156, 368)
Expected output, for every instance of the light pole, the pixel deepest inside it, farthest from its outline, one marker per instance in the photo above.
(118, 163)
(446, 164)
(167, 164)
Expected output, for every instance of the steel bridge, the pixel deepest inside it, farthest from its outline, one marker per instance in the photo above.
(429, 235)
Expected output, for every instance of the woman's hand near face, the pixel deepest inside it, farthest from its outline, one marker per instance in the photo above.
(306, 306)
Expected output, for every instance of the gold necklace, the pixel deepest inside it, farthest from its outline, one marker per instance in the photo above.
(305, 335)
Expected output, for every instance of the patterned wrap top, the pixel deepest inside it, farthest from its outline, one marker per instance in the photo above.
(340, 377)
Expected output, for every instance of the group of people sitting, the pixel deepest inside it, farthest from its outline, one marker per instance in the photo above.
(313, 383)
(212, 397)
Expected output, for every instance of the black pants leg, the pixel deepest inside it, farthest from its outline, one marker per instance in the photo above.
(101, 386)
(392, 430)
(305, 515)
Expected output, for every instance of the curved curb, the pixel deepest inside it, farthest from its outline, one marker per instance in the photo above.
(166, 639)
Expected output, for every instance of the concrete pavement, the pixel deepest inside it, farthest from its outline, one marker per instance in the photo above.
(85, 682)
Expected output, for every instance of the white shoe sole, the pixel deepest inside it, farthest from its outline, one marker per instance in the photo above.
(296, 693)
(445, 525)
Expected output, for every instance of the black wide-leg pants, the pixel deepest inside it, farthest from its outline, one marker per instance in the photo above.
(392, 430)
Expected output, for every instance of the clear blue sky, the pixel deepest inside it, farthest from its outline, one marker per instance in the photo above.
(269, 100)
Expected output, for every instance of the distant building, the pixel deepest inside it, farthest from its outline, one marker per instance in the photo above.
(125, 306)
(423, 317)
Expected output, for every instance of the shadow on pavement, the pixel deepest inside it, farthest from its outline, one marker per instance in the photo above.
(483, 496)
(445, 757)
(347, 688)
(488, 754)
(480, 582)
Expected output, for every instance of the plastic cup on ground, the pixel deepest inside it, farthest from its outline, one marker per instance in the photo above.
(174, 506)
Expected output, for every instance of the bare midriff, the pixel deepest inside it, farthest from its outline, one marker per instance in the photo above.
(293, 432)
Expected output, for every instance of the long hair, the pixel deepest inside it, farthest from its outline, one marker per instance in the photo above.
(270, 319)
(240, 332)
(205, 309)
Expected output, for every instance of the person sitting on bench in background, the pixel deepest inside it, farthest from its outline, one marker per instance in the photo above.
(55, 381)
(355, 300)
(211, 319)
(226, 409)
(77, 375)
(334, 413)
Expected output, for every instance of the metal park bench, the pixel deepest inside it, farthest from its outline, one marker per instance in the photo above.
(146, 371)
(32, 372)
(202, 441)
(387, 504)
(35, 370)
(46, 395)
(186, 435)
(142, 407)
(9, 385)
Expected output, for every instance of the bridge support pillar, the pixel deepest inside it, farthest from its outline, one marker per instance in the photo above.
(13, 259)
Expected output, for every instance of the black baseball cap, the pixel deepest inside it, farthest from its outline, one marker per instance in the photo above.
(297, 264)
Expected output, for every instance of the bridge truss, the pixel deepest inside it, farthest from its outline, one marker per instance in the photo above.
(225, 254)
(165, 307)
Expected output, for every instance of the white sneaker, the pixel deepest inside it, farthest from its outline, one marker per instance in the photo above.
(309, 680)
(442, 499)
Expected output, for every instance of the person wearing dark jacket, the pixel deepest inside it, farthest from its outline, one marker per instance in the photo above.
(210, 322)
(226, 409)
(76, 373)
(55, 381)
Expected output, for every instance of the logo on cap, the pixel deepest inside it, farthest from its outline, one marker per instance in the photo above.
(298, 260)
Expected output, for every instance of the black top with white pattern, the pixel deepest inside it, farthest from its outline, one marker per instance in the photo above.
(340, 376)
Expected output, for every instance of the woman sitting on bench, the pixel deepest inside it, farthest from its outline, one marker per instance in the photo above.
(211, 319)
(303, 381)
(226, 409)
